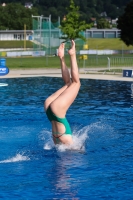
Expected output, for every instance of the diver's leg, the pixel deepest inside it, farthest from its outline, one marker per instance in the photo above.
(52, 97)
(64, 69)
(65, 76)
(61, 104)
(74, 66)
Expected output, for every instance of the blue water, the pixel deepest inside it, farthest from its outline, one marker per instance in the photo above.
(101, 117)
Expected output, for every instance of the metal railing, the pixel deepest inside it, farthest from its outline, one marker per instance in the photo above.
(108, 63)
(121, 62)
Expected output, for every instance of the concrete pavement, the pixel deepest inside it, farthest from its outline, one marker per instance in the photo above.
(19, 73)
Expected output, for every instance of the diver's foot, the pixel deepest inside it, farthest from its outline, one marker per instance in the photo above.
(72, 51)
(61, 50)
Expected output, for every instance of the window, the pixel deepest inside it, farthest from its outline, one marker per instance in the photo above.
(15, 36)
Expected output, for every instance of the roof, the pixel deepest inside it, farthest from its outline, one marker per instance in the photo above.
(15, 31)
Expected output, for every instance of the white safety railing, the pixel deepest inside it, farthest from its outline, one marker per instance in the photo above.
(121, 62)
(103, 62)
(108, 63)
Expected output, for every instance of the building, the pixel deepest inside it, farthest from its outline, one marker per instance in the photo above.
(102, 33)
(15, 34)
(3, 4)
(114, 21)
(28, 5)
(89, 33)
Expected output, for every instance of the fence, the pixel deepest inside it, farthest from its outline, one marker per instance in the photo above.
(105, 62)
(46, 36)
(93, 61)
(121, 62)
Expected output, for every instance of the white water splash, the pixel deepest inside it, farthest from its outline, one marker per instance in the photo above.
(3, 84)
(16, 158)
(79, 138)
(46, 137)
(48, 146)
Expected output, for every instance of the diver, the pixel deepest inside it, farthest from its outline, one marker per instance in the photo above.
(58, 103)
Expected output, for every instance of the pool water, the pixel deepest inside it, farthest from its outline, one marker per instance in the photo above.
(101, 117)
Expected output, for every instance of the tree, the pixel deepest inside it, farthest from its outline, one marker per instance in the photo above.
(16, 16)
(103, 23)
(125, 24)
(71, 25)
(88, 8)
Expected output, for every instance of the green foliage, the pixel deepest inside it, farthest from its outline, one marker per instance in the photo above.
(71, 25)
(57, 8)
(103, 23)
(14, 15)
(88, 8)
(125, 24)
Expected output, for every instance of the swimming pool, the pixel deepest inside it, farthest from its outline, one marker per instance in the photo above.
(101, 118)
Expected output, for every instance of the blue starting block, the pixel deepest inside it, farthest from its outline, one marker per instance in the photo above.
(3, 69)
(127, 72)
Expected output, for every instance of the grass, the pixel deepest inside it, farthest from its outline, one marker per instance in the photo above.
(15, 44)
(106, 43)
(34, 62)
(53, 62)
(93, 43)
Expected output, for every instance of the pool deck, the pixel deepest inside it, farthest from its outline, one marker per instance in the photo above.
(17, 73)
